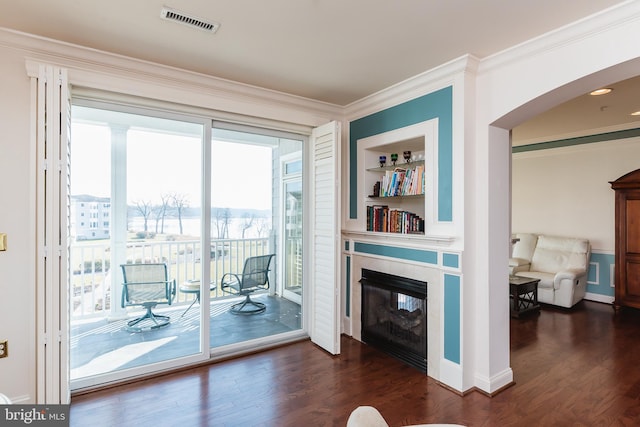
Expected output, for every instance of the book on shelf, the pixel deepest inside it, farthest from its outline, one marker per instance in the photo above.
(402, 182)
(376, 189)
(382, 219)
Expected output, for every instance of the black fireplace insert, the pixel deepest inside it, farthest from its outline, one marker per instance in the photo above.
(394, 316)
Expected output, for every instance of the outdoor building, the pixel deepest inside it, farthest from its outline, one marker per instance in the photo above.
(90, 217)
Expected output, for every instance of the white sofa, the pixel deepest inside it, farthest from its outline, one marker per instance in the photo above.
(561, 264)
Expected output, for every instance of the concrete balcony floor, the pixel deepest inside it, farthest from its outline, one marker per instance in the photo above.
(99, 346)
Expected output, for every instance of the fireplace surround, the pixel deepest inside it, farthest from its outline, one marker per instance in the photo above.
(394, 316)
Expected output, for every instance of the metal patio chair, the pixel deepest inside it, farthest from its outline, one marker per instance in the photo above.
(254, 277)
(147, 285)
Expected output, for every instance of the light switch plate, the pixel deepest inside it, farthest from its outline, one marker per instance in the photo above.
(3, 241)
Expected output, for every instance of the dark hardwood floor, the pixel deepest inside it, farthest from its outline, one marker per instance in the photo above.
(571, 368)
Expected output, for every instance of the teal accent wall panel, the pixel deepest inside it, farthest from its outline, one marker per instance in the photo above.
(452, 318)
(587, 139)
(450, 260)
(438, 104)
(428, 257)
(599, 278)
(348, 282)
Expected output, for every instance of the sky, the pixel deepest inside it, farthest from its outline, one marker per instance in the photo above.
(163, 163)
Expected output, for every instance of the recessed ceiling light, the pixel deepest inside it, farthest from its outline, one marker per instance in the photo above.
(636, 113)
(603, 91)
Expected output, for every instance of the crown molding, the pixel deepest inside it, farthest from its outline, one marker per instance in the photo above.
(577, 134)
(413, 87)
(605, 146)
(591, 141)
(107, 71)
(614, 16)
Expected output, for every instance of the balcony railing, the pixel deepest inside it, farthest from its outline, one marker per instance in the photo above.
(90, 275)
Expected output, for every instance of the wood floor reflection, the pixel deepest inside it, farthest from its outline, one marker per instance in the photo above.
(571, 368)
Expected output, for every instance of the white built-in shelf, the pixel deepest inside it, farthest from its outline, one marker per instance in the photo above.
(422, 140)
(389, 167)
(399, 238)
(408, 196)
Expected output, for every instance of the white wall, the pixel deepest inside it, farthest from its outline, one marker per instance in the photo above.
(16, 264)
(566, 191)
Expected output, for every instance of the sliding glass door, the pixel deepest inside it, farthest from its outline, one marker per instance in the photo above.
(186, 240)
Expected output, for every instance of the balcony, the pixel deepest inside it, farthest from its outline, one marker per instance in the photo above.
(100, 344)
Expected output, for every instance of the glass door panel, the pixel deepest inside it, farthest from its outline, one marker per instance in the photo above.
(292, 232)
(246, 200)
(135, 200)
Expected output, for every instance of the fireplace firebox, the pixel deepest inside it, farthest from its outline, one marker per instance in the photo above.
(394, 316)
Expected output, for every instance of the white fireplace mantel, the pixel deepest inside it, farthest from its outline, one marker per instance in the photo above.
(413, 270)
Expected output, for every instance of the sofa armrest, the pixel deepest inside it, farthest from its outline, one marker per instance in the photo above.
(574, 275)
(518, 264)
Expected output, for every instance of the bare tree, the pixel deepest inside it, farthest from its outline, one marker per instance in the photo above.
(247, 222)
(216, 215)
(262, 226)
(144, 208)
(222, 219)
(179, 202)
(160, 211)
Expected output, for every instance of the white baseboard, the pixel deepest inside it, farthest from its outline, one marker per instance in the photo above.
(496, 382)
(451, 375)
(599, 298)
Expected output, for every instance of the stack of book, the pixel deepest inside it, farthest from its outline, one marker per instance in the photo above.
(402, 182)
(381, 218)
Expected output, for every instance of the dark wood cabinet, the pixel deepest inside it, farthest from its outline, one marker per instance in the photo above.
(627, 233)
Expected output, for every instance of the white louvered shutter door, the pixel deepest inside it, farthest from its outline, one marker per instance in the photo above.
(51, 116)
(324, 263)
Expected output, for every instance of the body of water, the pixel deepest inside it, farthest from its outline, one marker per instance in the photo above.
(191, 227)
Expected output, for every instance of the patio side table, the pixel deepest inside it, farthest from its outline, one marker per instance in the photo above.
(193, 287)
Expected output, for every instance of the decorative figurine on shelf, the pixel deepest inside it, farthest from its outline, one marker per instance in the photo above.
(394, 158)
(407, 156)
(383, 161)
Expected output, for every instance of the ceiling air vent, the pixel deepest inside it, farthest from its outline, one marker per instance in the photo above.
(192, 21)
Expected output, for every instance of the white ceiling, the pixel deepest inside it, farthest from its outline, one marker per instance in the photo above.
(585, 115)
(336, 51)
